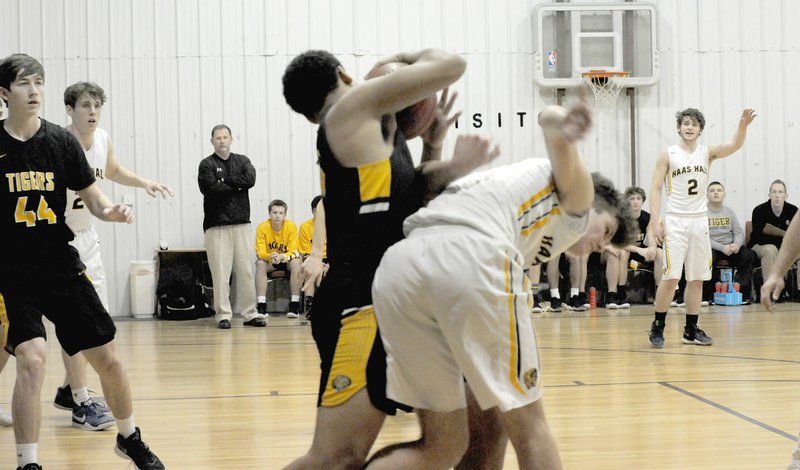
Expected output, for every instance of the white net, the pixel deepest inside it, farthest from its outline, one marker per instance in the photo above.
(606, 87)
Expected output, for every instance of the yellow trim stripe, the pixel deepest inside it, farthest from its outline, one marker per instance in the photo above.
(348, 374)
(667, 264)
(3, 323)
(535, 198)
(542, 222)
(375, 181)
(512, 332)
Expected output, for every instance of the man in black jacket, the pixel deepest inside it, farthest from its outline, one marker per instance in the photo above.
(224, 180)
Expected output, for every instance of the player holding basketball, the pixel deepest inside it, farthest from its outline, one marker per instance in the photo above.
(453, 302)
(371, 186)
(42, 274)
(683, 169)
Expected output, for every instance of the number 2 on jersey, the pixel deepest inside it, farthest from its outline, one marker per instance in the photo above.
(29, 218)
(692, 187)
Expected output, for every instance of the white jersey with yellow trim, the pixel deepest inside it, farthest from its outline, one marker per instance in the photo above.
(686, 181)
(514, 204)
(78, 216)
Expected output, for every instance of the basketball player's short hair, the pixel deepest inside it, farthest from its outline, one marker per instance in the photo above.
(278, 202)
(715, 182)
(777, 181)
(308, 80)
(694, 114)
(634, 190)
(15, 66)
(219, 127)
(608, 199)
(315, 201)
(76, 90)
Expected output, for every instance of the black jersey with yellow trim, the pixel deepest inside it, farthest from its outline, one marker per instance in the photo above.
(365, 208)
(36, 176)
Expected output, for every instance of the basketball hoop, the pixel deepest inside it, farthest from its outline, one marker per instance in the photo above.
(606, 87)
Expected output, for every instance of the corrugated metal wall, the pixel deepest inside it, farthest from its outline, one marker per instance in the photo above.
(175, 68)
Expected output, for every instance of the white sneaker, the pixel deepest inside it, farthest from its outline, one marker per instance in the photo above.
(291, 314)
(704, 303)
(5, 419)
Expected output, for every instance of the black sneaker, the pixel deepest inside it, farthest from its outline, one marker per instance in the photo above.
(261, 308)
(224, 324)
(134, 449)
(307, 303)
(555, 304)
(611, 301)
(537, 307)
(622, 301)
(696, 336)
(584, 301)
(258, 322)
(656, 335)
(678, 300)
(64, 401)
(30, 466)
(574, 303)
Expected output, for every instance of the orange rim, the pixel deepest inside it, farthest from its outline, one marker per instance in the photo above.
(594, 74)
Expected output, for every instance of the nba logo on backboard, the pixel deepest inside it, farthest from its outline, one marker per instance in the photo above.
(551, 60)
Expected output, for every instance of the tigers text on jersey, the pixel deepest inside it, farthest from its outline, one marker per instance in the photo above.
(515, 204)
(78, 216)
(36, 176)
(686, 181)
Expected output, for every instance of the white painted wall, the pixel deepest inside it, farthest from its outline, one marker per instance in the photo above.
(175, 68)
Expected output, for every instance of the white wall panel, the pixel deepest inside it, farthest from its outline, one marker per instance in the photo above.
(174, 68)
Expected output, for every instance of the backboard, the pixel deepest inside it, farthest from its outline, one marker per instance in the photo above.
(576, 37)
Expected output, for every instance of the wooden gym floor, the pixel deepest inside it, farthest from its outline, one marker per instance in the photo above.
(244, 398)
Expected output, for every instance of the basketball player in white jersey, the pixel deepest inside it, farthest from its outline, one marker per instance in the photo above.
(683, 170)
(453, 302)
(84, 102)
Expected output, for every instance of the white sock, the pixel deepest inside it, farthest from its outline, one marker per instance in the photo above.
(26, 453)
(554, 293)
(295, 298)
(81, 395)
(262, 299)
(127, 426)
(573, 292)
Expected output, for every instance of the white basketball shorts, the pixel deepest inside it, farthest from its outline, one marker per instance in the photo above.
(686, 244)
(454, 304)
(88, 245)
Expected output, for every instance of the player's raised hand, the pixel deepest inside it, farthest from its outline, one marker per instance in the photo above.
(578, 120)
(473, 151)
(434, 135)
(118, 213)
(747, 116)
(153, 189)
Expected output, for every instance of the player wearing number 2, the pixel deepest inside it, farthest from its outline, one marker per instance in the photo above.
(683, 170)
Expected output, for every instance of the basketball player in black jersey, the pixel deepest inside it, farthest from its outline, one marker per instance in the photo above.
(370, 186)
(41, 273)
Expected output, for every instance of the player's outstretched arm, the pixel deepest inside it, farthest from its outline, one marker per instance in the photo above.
(562, 127)
(723, 150)
(102, 208)
(433, 138)
(790, 250)
(471, 151)
(121, 175)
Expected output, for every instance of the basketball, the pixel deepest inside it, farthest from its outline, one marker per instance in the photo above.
(417, 118)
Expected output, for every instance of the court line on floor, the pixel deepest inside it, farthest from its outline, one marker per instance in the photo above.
(671, 353)
(730, 411)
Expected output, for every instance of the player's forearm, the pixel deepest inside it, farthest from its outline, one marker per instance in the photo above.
(431, 152)
(320, 233)
(126, 177)
(573, 181)
(774, 231)
(95, 201)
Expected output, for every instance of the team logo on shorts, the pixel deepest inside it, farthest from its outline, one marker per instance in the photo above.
(531, 377)
(341, 382)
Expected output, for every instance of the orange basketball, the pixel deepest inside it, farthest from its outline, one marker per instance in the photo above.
(417, 118)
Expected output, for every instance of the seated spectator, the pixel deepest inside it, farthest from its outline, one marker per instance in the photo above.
(618, 260)
(553, 277)
(770, 221)
(277, 249)
(306, 238)
(578, 271)
(727, 240)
